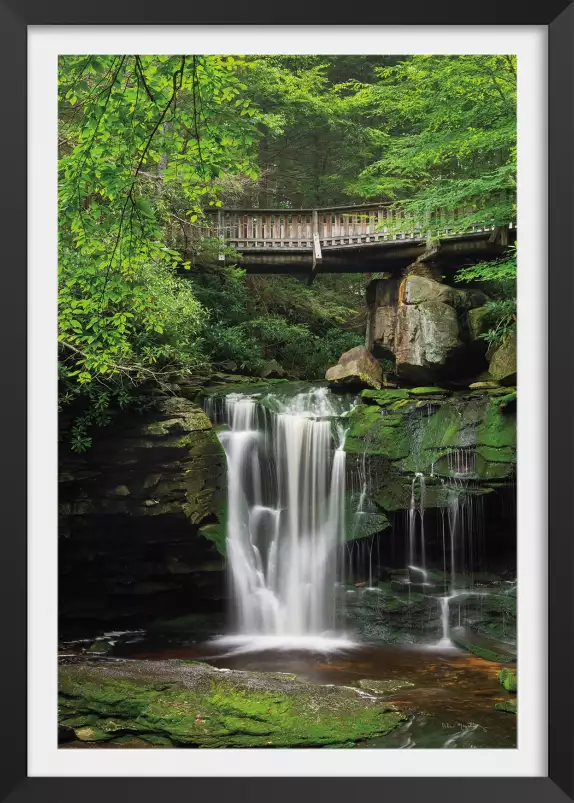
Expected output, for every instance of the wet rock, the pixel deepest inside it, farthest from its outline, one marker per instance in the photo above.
(194, 705)
(508, 680)
(429, 392)
(356, 367)
(509, 706)
(384, 686)
(99, 647)
(484, 385)
(384, 398)
(487, 654)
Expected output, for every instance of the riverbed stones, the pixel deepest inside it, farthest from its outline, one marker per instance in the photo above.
(356, 367)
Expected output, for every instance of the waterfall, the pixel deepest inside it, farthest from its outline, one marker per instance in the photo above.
(286, 511)
(412, 519)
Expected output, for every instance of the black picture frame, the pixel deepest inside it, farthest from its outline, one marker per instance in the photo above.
(15, 786)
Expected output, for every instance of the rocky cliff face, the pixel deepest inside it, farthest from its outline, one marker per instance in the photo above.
(466, 436)
(142, 519)
(437, 516)
(427, 328)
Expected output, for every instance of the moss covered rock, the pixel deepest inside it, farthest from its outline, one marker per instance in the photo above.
(378, 433)
(508, 680)
(509, 706)
(503, 362)
(194, 705)
(428, 392)
(483, 652)
(384, 397)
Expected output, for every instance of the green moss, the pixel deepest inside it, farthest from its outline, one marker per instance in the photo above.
(198, 706)
(493, 454)
(216, 533)
(497, 429)
(484, 385)
(508, 680)
(384, 397)
(367, 524)
(155, 739)
(89, 734)
(484, 652)
(394, 494)
(510, 706)
(506, 399)
(99, 647)
(428, 391)
(361, 420)
(377, 434)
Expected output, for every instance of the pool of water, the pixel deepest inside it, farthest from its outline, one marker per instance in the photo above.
(450, 693)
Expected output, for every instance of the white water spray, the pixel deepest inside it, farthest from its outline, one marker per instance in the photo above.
(286, 514)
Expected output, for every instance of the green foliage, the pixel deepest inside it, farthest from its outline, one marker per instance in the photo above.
(501, 271)
(130, 127)
(448, 141)
(149, 143)
(301, 352)
(254, 319)
(501, 316)
(500, 276)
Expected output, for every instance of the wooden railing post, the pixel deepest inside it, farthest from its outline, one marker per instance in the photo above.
(317, 256)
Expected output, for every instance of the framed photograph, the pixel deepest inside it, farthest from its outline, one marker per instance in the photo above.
(295, 372)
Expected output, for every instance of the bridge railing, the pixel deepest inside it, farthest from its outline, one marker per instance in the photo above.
(294, 229)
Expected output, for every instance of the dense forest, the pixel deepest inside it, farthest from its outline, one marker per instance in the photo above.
(150, 143)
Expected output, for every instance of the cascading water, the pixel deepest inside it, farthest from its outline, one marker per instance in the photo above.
(286, 512)
(412, 519)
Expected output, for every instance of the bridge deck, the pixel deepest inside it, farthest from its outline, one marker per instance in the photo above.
(336, 239)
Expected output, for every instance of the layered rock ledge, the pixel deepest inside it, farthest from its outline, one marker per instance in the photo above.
(189, 704)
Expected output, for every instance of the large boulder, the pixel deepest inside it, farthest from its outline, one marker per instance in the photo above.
(477, 322)
(356, 367)
(427, 327)
(189, 704)
(503, 362)
(427, 339)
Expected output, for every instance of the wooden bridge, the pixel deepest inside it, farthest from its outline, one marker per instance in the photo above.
(345, 239)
